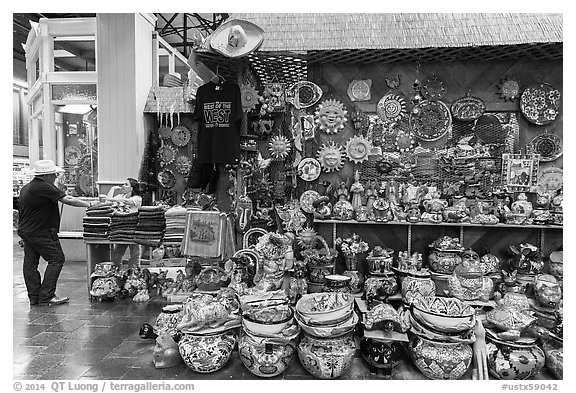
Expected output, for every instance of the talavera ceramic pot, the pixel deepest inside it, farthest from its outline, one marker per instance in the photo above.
(444, 261)
(417, 284)
(514, 361)
(206, 353)
(554, 352)
(381, 354)
(266, 356)
(327, 358)
(440, 360)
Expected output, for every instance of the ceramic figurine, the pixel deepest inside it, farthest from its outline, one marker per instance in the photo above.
(509, 320)
(298, 285)
(362, 214)
(322, 208)
(547, 291)
(489, 264)
(379, 288)
(166, 352)
(527, 258)
(357, 189)
(434, 208)
(440, 360)
(413, 212)
(468, 283)
(327, 358)
(371, 195)
(521, 209)
(380, 354)
(206, 353)
(510, 283)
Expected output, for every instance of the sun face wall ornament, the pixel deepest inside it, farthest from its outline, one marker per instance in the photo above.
(391, 107)
(357, 149)
(166, 154)
(331, 156)
(249, 96)
(331, 116)
(508, 89)
(279, 147)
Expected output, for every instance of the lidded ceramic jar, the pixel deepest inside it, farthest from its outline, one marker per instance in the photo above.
(206, 353)
(337, 283)
(445, 255)
(440, 360)
(343, 210)
(268, 356)
(327, 358)
(468, 283)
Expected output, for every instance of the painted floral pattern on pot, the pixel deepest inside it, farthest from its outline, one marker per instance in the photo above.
(206, 353)
(514, 361)
(440, 360)
(327, 358)
(266, 357)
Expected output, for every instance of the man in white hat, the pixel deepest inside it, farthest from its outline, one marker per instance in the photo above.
(39, 223)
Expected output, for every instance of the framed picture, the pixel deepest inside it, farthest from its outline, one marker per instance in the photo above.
(519, 171)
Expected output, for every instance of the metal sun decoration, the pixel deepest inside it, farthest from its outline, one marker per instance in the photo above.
(331, 156)
(331, 116)
(250, 97)
(279, 147)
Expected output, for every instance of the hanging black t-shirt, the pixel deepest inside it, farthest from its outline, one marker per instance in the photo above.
(38, 207)
(219, 111)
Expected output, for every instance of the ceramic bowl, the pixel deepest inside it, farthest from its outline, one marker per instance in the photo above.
(446, 315)
(330, 330)
(325, 307)
(270, 320)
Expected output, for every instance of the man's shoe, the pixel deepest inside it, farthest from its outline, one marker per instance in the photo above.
(56, 301)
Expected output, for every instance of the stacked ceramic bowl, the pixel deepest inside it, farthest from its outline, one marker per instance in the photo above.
(328, 321)
(442, 334)
(267, 343)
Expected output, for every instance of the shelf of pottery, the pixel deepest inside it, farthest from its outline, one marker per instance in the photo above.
(443, 315)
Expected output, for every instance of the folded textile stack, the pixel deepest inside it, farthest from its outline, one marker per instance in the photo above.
(123, 225)
(175, 225)
(96, 223)
(150, 227)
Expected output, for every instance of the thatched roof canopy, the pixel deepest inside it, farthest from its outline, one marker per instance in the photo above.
(366, 38)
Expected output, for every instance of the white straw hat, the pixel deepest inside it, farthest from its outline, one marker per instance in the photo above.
(236, 38)
(46, 167)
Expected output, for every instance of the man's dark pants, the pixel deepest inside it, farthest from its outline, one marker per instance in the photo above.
(36, 246)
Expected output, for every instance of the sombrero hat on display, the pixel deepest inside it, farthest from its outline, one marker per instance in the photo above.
(236, 38)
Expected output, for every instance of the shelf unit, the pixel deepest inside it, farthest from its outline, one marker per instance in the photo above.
(461, 226)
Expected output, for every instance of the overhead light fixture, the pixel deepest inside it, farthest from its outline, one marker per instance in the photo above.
(78, 109)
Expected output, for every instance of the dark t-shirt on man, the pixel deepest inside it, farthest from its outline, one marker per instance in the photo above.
(219, 111)
(38, 207)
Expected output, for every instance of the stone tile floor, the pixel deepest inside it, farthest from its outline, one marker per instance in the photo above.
(99, 340)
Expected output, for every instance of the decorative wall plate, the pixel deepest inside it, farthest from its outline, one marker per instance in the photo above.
(468, 108)
(430, 120)
(540, 103)
(307, 198)
(167, 179)
(549, 146)
(249, 97)
(359, 90)
(180, 136)
(303, 94)
(85, 183)
(433, 88)
(166, 154)
(279, 147)
(404, 141)
(165, 132)
(358, 148)
(551, 179)
(72, 155)
(331, 116)
(183, 165)
(309, 169)
(331, 156)
(391, 107)
(508, 89)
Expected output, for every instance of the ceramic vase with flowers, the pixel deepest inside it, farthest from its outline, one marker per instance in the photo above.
(352, 249)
